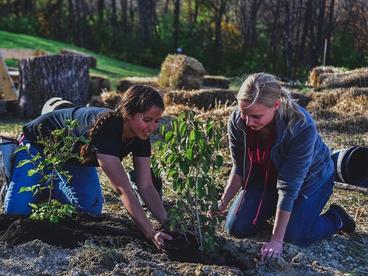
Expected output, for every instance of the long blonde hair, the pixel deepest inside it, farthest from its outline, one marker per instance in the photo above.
(265, 89)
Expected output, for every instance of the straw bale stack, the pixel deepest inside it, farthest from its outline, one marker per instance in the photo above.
(97, 84)
(109, 99)
(181, 72)
(203, 98)
(125, 83)
(357, 78)
(318, 73)
(216, 82)
(343, 100)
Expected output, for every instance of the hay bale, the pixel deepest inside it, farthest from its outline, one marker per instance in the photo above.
(357, 78)
(343, 101)
(109, 99)
(301, 99)
(314, 76)
(181, 72)
(91, 59)
(97, 84)
(216, 82)
(203, 98)
(125, 83)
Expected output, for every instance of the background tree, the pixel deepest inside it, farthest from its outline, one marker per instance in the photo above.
(230, 37)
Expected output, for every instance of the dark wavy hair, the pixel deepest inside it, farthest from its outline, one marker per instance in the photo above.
(137, 99)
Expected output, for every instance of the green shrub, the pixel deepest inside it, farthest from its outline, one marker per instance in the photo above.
(57, 150)
(188, 160)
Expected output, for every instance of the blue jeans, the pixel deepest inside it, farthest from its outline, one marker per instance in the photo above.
(83, 191)
(306, 223)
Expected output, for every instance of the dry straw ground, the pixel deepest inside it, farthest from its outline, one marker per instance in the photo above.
(342, 119)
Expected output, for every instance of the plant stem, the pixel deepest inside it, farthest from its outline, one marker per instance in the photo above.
(197, 215)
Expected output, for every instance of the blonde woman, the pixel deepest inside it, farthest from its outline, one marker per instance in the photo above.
(281, 167)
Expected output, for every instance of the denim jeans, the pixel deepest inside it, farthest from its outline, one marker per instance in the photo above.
(83, 191)
(306, 223)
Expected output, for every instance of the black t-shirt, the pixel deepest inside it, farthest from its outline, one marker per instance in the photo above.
(107, 140)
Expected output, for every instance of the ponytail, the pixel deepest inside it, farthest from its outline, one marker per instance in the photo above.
(289, 109)
(87, 151)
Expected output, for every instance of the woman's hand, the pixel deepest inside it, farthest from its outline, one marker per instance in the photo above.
(221, 207)
(271, 249)
(158, 238)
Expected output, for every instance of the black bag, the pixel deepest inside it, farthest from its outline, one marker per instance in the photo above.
(7, 149)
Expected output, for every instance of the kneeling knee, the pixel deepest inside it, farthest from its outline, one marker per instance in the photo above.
(240, 232)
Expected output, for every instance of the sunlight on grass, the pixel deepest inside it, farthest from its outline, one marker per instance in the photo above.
(112, 68)
(11, 127)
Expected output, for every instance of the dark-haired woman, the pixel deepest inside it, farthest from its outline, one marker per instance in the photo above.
(112, 135)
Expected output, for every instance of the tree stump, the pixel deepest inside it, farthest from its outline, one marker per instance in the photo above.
(65, 76)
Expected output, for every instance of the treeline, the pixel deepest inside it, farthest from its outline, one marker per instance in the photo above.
(230, 37)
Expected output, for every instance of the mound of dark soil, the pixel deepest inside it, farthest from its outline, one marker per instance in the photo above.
(106, 231)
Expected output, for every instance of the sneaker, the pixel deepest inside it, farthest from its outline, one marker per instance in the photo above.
(348, 224)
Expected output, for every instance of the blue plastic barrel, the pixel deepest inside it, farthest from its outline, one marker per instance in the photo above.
(351, 165)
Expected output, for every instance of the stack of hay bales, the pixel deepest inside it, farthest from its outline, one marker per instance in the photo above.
(332, 77)
(202, 98)
(321, 72)
(216, 81)
(181, 72)
(348, 101)
(97, 84)
(108, 99)
(125, 83)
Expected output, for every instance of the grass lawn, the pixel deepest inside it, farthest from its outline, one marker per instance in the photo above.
(112, 68)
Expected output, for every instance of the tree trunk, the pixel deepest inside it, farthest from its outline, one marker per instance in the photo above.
(114, 17)
(307, 22)
(287, 51)
(101, 11)
(274, 40)
(124, 15)
(320, 31)
(219, 13)
(146, 20)
(41, 78)
(176, 24)
(329, 29)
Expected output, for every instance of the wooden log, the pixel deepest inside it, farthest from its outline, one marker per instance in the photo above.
(92, 59)
(65, 76)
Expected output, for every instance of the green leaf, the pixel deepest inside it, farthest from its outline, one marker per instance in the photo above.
(33, 206)
(173, 173)
(174, 126)
(189, 154)
(31, 172)
(21, 148)
(54, 219)
(162, 130)
(24, 162)
(193, 135)
(182, 129)
(168, 136)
